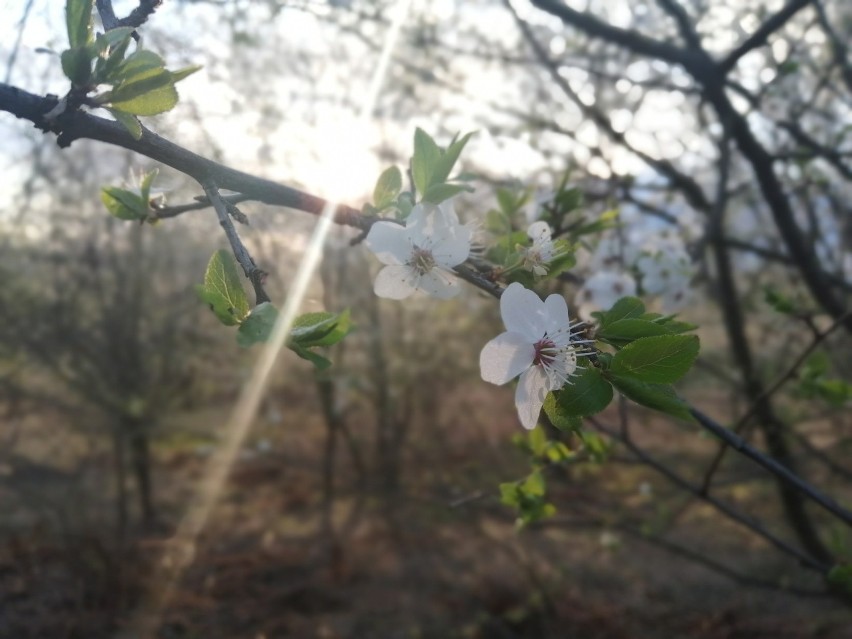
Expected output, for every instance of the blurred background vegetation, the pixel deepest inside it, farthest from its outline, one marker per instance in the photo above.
(366, 503)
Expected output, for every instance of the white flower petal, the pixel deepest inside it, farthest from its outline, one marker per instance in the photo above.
(395, 281)
(556, 311)
(529, 396)
(390, 242)
(451, 249)
(522, 312)
(539, 231)
(440, 284)
(505, 357)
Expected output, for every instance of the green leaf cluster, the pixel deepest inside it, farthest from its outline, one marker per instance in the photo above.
(431, 167)
(814, 382)
(536, 444)
(223, 292)
(141, 84)
(127, 205)
(529, 497)
(651, 354)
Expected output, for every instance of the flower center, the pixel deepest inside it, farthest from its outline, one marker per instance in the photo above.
(558, 362)
(421, 260)
(545, 351)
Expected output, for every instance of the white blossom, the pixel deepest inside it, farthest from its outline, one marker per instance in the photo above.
(666, 270)
(602, 290)
(421, 254)
(537, 257)
(539, 345)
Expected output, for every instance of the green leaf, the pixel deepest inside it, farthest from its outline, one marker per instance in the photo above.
(78, 19)
(657, 396)
(657, 360)
(320, 329)
(629, 329)
(106, 68)
(147, 93)
(840, 579)
(223, 290)
(497, 222)
(387, 188)
(146, 182)
(77, 65)
(151, 103)
(448, 159)
(424, 164)
(781, 303)
(257, 327)
(625, 308)
(568, 200)
(437, 193)
(558, 418)
(128, 121)
(182, 74)
(113, 38)
(137, 63)
(586, 394)
(504, 251)
(317, 360)
(124, 204)
(508, 202)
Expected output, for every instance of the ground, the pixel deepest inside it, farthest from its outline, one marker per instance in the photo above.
(438, 558)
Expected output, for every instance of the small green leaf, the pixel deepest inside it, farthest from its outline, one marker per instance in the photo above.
(128, 121)
(320, 329)
(77, 65)
(257, 327)
(124, 204)
(449, 159)
(657, 396)
(113, 38)
(182, 74)
(223, 289)
(558, 418)
(565, 259)
(78, 19)
(317, 360)
(508, 202)
(106, 68)
(657, 360)
(146, 182)
(387, 188)
(778, 301)
(497, 222)
(437, 193)
(586, 394)
(147, 93)
(625, 308)
(629, 329)
(153, 102)
(568, 200)
(840, 579)
(427, 156)
(137, 63)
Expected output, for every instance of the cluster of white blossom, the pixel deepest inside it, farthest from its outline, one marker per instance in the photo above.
(541, 345)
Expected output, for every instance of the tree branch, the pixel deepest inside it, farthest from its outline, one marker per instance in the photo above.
(759, 37)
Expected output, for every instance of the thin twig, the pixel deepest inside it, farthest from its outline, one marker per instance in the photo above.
(767, 394)
(742, 519)
(244, 258)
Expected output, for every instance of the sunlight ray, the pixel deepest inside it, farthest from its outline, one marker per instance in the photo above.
(181, 548)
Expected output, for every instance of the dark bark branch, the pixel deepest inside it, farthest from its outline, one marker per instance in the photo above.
(631, 40)
(78, 125)
(759, 37)
(683, 22)
(742, 519)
